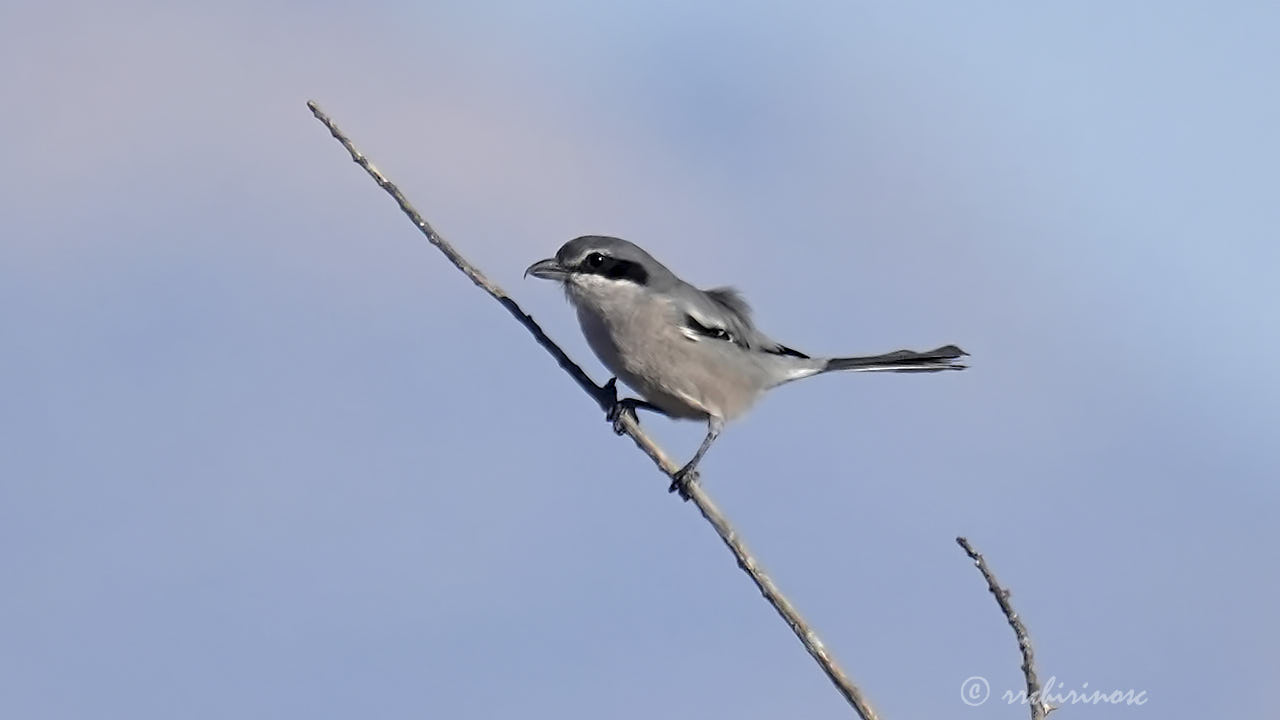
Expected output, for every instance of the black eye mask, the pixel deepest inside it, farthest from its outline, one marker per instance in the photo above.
(613, 268)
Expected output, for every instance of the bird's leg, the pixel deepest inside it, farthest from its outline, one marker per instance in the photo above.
(626, 406)
(688, 475)
(610, 389)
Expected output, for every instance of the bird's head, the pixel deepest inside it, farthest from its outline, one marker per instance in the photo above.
(596, 264)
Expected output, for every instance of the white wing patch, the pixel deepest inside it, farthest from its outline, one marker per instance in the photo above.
(698, 328)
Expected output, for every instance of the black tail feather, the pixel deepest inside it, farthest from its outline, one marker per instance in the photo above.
(942, 358)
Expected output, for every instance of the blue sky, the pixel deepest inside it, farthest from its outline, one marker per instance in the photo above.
(265, 454)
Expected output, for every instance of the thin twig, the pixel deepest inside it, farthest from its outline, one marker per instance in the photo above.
(604, 398)
(1039, 708)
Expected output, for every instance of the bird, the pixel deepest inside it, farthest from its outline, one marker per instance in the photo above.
(691, 354)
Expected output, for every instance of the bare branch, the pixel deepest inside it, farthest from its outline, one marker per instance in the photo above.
(604, 398)
(1039, 708)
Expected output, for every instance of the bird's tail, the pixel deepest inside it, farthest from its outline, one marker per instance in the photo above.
(943, 358)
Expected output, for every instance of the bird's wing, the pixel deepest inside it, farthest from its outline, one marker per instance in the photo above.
(731, 302)
(730, 312)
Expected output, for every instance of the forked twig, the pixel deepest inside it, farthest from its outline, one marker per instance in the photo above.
(604, 398)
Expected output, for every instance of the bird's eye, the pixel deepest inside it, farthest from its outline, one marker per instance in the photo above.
(594, 260)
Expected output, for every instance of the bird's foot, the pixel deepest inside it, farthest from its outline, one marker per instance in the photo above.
(621, 408)
(685, 478)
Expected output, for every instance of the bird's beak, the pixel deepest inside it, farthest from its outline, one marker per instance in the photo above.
(547, 269)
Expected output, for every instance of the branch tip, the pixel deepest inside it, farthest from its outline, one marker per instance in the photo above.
(1039, 708)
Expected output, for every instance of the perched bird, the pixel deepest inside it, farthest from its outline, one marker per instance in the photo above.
(690, 353)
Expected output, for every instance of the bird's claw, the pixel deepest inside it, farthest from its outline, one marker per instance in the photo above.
(620, 410)
(684, 478)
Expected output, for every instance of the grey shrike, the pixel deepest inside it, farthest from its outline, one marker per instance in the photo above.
(691, 353)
